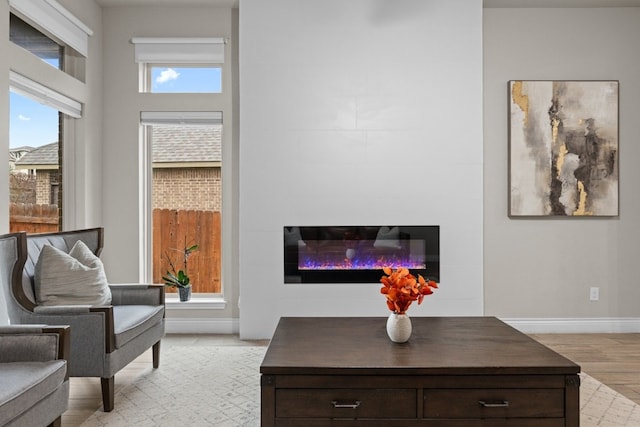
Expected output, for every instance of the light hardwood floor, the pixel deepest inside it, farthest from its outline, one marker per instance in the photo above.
(613, 359)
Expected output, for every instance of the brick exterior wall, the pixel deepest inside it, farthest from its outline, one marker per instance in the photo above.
(43, 186)
(187, 188)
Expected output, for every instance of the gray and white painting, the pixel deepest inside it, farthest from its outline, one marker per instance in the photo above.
(563, 148)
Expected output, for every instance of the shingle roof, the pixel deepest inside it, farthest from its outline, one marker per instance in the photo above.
(183, 144)
(17, 152)
(44, 155)
(171, 144)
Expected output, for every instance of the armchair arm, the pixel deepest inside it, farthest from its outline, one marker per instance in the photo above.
(93, 326)
(34, 343)
(137, 294)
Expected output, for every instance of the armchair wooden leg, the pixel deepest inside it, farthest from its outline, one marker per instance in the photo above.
(56, 423)
(156, 355)
(107, 393)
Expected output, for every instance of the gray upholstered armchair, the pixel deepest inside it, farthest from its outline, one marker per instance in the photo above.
(104, 338)
(34, 380)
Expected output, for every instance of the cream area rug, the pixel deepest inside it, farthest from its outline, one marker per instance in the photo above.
(220, 386)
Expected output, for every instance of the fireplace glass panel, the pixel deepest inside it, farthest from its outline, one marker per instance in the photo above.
(358, 254)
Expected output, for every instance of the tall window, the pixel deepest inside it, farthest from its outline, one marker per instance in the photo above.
(41, 111)
(185, 156)
(35, 176)
(183, 152)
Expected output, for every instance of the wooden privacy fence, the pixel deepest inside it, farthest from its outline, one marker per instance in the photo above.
(33, 218)
(172, 230)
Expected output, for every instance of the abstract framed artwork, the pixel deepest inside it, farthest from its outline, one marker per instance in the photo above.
(563, 148)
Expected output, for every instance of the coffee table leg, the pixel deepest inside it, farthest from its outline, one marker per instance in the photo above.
(572, 400)
(267, 400)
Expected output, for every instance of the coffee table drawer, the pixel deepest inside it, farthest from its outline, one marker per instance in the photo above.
(494, 403)
(346, 403)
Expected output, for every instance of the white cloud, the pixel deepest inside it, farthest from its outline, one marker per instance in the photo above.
(167, 75)
(24, 118)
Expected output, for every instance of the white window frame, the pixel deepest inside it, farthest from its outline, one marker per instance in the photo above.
(150, 118)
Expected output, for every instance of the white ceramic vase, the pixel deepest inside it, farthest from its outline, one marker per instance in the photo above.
(399, 327)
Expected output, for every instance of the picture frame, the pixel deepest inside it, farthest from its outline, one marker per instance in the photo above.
(563, 138)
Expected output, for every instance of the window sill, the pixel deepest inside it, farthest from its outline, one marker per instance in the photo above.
(204, 303)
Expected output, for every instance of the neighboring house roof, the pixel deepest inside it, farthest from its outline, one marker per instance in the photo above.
(17, 152)
(184, 144)
(171, 145)
(44, 157)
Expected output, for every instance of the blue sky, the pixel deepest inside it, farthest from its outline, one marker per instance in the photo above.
(33, 124)
(186, 79)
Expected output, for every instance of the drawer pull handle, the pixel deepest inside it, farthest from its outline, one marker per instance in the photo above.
(494, 404)
(345, 405)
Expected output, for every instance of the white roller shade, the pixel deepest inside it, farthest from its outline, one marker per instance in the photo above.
(55, 20)
(178, 50)
(181, 117)
(42, 94)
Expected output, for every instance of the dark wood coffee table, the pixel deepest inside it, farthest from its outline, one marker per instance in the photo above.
(454, 371)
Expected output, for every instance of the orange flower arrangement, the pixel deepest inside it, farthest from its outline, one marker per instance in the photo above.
(402, 288)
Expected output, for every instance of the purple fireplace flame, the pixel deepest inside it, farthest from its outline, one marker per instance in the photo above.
(358, 255)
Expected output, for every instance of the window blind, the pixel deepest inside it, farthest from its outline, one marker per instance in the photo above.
(181, 117)
(179, 50)
(44, 95)
(53, 18)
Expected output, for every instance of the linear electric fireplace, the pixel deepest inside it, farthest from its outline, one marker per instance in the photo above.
(358, 254)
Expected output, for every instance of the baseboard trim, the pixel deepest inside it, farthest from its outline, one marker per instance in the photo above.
(194, 325)
(575, 325)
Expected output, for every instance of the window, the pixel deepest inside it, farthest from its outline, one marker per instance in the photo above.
(34, 176)
(183, 79)
(184, 155)
(180, 65)
(27, 37)
(39, 114)
(57, 22)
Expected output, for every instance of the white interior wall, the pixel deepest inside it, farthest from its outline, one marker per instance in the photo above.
(338, 131)
(543, 268)
(358, 113)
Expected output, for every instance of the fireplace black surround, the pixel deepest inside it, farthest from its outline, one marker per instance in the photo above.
(356, 254)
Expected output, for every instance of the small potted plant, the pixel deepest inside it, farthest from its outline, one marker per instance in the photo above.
(180, 278)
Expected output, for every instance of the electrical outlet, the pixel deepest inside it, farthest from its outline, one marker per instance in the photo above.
(594, 294)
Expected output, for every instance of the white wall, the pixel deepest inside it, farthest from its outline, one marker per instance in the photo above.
(358, 113)
(543, 269)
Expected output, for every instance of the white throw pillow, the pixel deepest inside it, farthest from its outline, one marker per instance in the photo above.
(76, 278)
